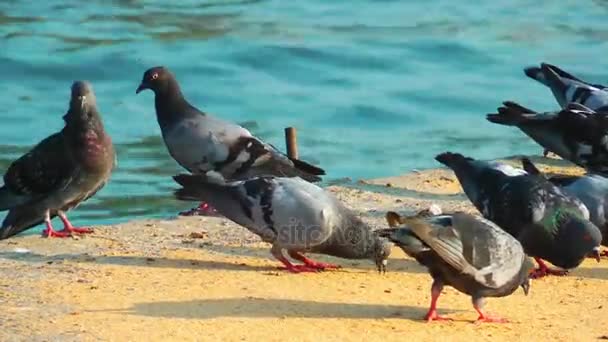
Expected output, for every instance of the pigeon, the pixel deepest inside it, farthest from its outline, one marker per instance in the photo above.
(590, 189)
(569, 89)
(549, 224)
(200, 142)
(464, 251)
(60, 172)
(576, 133)
(291, 214)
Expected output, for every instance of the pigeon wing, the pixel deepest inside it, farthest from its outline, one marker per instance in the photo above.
(476, 247)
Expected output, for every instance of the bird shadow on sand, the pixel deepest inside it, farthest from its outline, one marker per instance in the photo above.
(279, 308)
(591, 272)
(137, 261)
(395, 265)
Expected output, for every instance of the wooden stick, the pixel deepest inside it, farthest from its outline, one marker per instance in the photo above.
(291, 141)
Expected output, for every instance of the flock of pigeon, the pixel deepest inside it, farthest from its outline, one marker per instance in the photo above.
(560, 219)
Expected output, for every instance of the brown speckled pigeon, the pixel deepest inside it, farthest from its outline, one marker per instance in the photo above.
(60, 172)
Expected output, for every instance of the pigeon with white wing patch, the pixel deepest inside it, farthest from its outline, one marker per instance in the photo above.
(291, 214)
(568, 89)
(200, 142)
(549, 224)
(575, 133)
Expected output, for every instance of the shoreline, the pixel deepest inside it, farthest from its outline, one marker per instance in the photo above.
(199, 278)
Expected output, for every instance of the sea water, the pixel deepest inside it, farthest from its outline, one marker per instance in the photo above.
(375, 88)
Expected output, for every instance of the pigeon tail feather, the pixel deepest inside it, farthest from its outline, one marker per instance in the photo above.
(510, 114)
(195, 187)
(308, 168)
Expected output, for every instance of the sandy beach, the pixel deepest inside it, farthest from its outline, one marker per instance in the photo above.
(207, 279)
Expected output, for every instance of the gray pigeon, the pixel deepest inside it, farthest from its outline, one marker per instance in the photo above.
(575, 133)
(200, 142)
(567, 88)
(464, 251)
(60, 172)
(549, 224)
(590, 189)
(292, 215)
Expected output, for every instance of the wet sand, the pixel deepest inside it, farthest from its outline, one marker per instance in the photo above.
(203, 279)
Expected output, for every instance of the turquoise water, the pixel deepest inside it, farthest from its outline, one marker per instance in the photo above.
(375, 88)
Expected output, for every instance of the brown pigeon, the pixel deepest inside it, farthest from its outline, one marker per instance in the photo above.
(60, 172)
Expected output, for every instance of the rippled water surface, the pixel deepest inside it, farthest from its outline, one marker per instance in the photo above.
(375, 88)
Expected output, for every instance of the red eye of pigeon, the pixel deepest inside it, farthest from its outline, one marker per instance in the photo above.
(587, 237)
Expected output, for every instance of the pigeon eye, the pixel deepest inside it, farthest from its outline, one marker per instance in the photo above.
(154, 76)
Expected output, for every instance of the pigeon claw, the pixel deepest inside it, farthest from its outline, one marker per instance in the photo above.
(204, 209)
(49, 233)
(489, 319)
(545, 271)
(322, 265)
(77, 230)
(432, 315)
(300, 269)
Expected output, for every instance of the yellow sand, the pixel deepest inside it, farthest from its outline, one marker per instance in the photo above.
(152, 281)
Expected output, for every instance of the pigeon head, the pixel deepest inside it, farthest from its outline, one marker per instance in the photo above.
(156, 79)
(382, 250)
(82, 105)
(578, 238)
(526, 268)
(82, 94)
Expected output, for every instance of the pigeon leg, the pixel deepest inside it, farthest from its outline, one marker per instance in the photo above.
(604, 253)
(49, 231)
(311, 263)
(68, 228)
(484, 318)
(203, 209)
(543, 270)
(435, 293)
(277, 252)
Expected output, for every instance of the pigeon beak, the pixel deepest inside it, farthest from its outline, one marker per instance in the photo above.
(597, 254)
(526, 287)
(141, 87)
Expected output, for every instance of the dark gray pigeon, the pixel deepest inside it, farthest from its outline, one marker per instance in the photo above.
(60, 172)
(590, 189)
(464, 251)
(567, 88)
(575, 133)
(200, 142)
(292, 215)
(549, 224)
